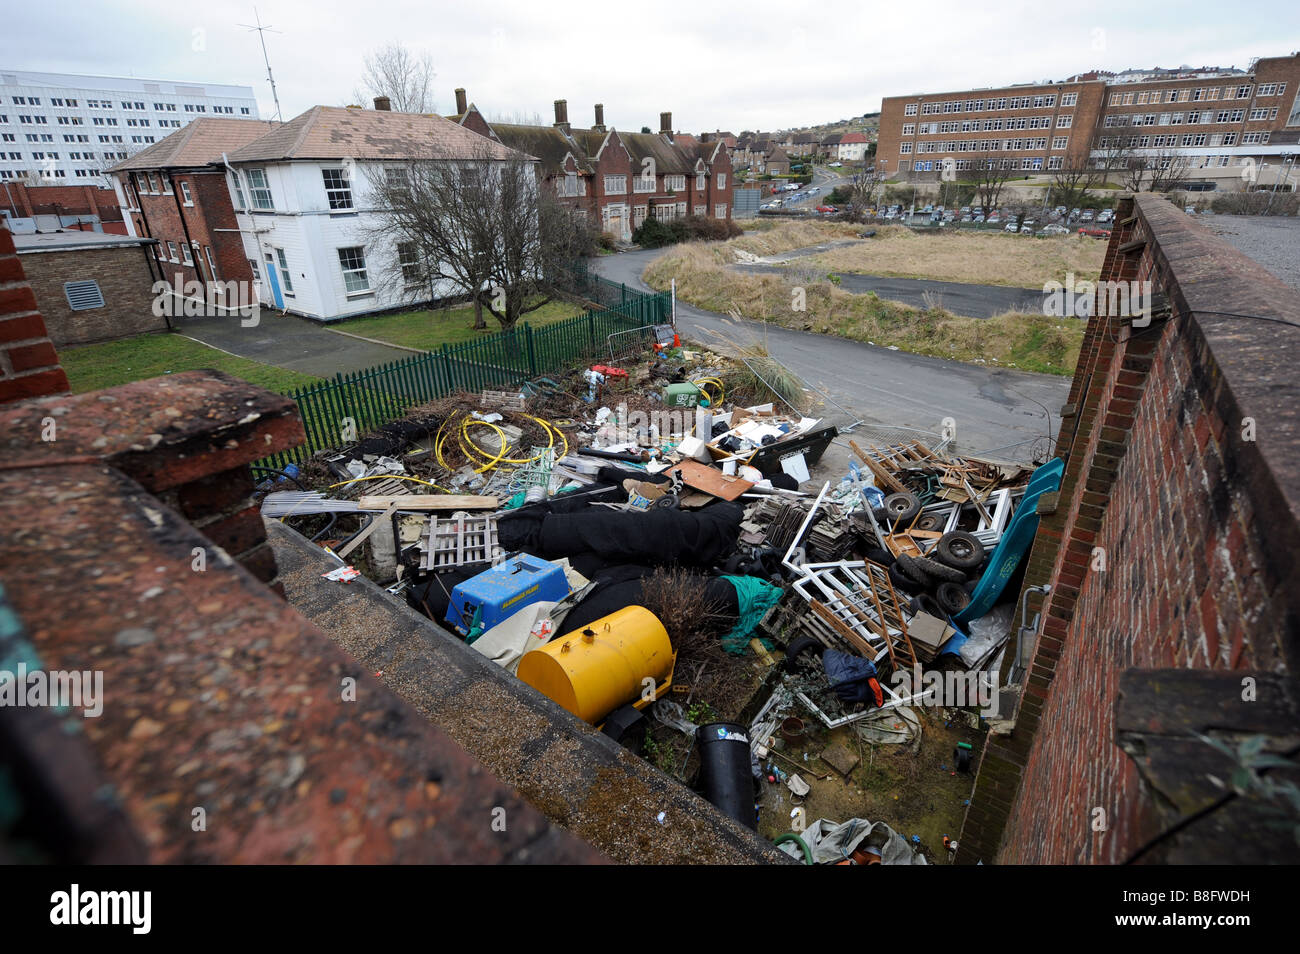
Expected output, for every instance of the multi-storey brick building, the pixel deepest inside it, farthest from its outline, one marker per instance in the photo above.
(1231, 127)
(619, 179)
(176, 193)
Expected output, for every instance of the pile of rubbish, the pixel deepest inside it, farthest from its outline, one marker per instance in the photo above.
(529, 523)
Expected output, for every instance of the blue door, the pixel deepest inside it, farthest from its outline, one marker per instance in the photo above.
(273, 276)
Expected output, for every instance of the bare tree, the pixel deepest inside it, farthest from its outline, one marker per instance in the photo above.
(404, 76)
(1076, 177)
(1141, 169)
(485, 227)
(864, 189)
(986, 175)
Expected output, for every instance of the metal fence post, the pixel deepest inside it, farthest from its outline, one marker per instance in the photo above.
(532, 357)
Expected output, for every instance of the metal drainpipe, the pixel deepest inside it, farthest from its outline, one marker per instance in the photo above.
(131, 186)
(180, 210)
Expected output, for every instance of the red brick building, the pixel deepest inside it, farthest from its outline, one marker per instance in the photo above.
(87, 204)
(176, 192)
(619, 179)
(1232, 126)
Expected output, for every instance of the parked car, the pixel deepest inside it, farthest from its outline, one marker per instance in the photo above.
(979, 217)
(1011, 227)
(1190, 210)
(827, 209)
(1105, 215)
(1095, 232)
(967, 218)
(1026, 225)
(1054, 230)
(1060, 210)
(835, 165)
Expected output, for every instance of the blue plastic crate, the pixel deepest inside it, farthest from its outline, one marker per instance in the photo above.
(496, 594)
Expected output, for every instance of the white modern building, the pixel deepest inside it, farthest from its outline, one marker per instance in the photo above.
(63, 128)
(302, 200)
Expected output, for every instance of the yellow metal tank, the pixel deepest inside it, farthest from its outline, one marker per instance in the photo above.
(594, 670)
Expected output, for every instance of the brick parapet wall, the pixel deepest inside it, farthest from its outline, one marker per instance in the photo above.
(29, 364)
(1159, 477)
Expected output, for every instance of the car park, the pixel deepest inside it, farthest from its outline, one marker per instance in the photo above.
(1011, 227)
(1027, 225)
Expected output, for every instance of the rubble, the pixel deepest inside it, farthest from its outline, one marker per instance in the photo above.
(526, 519)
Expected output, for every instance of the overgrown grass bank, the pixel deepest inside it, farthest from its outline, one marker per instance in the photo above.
(1029, 342)
(982, 258)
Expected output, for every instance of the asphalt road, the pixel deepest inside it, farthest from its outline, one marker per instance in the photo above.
(974, 301)
(992, 408)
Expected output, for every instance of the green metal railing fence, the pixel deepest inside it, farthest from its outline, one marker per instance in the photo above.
(358, 402)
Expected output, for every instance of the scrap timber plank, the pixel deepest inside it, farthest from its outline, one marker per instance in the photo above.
(429, 502)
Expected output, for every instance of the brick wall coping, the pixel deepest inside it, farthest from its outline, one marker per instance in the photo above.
(163, 432)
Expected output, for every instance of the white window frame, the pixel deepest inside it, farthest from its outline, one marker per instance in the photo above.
(286, 278)
(186, 197)
(722, 181)
(338, 189)
(171, 253)
(720, 210)
(615, 185)
(354, 272)
(257, 191)
(187, 254)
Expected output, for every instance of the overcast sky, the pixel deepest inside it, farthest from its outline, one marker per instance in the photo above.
(753, 65)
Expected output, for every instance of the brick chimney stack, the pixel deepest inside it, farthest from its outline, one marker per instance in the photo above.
(462, 103)
(600, 118)
(383, 104)
(562, 115)
(666, 124)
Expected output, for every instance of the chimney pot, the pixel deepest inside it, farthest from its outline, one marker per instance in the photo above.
(562, 113)
(666, 123)
(461, 103)
(600, 114)
(383, 103)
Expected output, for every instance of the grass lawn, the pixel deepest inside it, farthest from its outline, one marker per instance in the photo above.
(428, 330)
(95, 366)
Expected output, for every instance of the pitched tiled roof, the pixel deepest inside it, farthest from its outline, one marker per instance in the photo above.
(547, 143)
(853, 137)
(668, 159)
(336, 132)
(199, 143)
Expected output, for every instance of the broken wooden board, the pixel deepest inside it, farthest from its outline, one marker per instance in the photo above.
(710, 480)
(428, 502)
(841, 759)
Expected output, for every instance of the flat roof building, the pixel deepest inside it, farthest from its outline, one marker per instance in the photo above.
(66, 128)
(1233, 128)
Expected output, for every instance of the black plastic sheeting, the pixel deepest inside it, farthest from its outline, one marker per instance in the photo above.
(596, 538)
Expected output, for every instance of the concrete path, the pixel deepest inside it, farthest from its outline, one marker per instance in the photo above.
(289, 342)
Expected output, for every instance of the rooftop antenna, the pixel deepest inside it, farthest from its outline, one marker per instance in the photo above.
(261, 35)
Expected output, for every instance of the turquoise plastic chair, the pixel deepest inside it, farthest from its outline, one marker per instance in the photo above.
(1014, 544)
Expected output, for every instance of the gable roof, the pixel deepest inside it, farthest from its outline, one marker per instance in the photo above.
(547, 143)
(336, 132)
(832, 140)
(668, 160)
(853, 137)
(198, 143)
